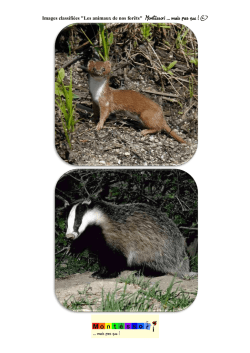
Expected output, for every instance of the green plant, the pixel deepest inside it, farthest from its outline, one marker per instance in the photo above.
(137, 301)
(170, 66)
(181, 41)
(138, 280)
(178, 300)
(194, 61)
(69, 45)
(66, 104)
(167, 43)
(146, 31)
(191, 87)
(77, 305)
(159, 25)
(194, 263)
(141, 300)
(105, 39)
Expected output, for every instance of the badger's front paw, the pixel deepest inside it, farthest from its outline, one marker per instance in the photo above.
(97, 274)
(105, 274)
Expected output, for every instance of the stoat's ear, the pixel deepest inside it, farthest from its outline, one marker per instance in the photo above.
(90, 63)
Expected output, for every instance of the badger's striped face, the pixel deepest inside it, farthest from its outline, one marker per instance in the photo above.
(80, 217)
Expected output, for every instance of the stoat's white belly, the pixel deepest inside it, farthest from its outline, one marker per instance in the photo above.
(96, 86)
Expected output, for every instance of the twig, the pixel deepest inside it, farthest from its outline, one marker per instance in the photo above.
(183, 208)
(67, 248)
(83, 107)
(162, 93)
(66, 203)
(81, 46)
(189, 228)
(70, 62)
(159, 63)
(187, 110)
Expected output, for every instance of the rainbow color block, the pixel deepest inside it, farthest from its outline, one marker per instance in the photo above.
(121, 326)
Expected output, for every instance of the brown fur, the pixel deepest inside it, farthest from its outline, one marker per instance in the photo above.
(111, 100)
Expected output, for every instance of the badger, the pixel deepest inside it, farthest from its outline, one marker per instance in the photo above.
(135, 236)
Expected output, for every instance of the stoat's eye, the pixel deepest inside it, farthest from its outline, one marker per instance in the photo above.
(103, 69)
(94, 69)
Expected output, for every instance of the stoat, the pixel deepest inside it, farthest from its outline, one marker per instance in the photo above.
(107, 100)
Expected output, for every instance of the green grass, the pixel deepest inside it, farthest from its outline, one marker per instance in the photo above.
(105, 40)
(142, 300)
(64, 101)
(194, 263)
(170, 66)
(76, 305)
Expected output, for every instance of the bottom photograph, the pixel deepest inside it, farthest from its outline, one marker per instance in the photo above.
(126, 240)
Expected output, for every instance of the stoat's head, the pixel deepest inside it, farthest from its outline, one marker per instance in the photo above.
(82, 215)
(99, 68)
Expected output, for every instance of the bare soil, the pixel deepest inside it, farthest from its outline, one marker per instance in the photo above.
(67, 289)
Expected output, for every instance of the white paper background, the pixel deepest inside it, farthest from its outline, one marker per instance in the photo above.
(32, 319)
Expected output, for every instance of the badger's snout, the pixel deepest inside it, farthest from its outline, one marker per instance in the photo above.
(72, 235)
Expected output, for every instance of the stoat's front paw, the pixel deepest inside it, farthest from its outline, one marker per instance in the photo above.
(99, 126)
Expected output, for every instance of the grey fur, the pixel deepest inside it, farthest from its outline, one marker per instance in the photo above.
(143, 235)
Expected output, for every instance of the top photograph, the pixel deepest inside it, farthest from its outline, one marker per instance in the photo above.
(126, 94)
